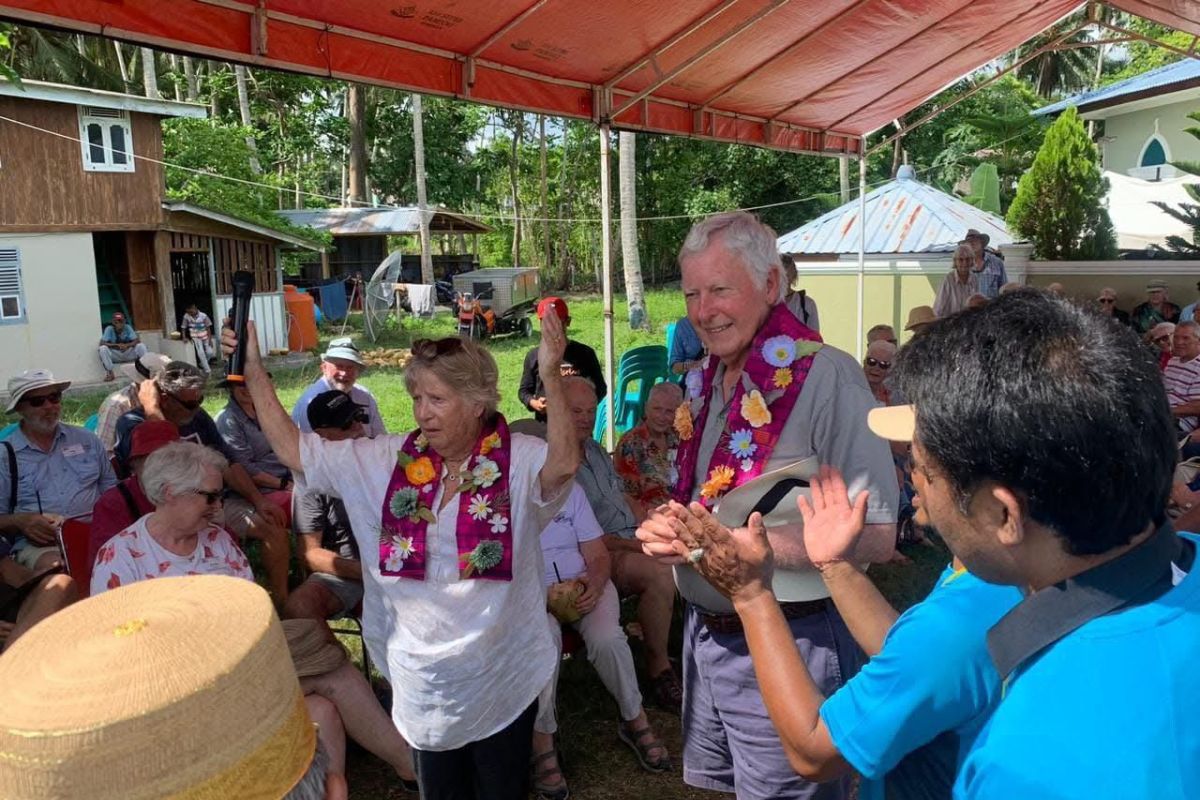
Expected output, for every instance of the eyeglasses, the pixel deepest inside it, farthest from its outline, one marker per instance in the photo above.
(190, 405)
(875, 362)
(432, 348)
(1108, 301)
(211, 498)
(42, 399)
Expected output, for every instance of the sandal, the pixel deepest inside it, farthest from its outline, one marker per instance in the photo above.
(558, 791)
(642, 741)
(666, 691)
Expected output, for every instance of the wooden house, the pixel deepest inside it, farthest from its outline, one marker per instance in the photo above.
(86, 230)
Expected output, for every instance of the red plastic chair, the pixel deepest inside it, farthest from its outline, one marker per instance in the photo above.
(73, 542)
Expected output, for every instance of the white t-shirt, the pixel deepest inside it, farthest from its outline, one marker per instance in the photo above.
(574, 524)
(464, 657)
(133, 555)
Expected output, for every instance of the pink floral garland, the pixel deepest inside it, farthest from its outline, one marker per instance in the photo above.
(780, 358)
(484, 526)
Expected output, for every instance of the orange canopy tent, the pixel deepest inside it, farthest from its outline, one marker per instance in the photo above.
(807, 76)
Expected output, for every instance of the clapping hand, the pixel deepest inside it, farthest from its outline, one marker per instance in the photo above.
(832, 525)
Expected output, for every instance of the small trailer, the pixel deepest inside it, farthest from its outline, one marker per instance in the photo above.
(496, 301)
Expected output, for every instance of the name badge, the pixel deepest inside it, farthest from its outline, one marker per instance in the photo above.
(74, 450)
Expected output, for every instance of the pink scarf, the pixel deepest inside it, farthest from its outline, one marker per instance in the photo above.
(780, 357)
(484, 527)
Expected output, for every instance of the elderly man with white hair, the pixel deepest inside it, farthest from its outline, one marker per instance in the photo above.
(877, 366)
(645, 455)
(770, 394)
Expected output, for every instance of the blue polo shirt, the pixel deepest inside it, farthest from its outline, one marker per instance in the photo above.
(66, 481)
(1107, 711)
(686, 346)
(907, 718)
(111, 336)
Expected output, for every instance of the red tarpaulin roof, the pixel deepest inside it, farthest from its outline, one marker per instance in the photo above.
(799, 75)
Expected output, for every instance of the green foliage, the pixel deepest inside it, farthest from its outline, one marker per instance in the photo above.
(1143, 56)
(199, 150)
(6, 71)
(1059, 204)
(985, 189)
(1061, 71)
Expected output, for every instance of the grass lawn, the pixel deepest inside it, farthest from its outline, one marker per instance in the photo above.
(596, 763)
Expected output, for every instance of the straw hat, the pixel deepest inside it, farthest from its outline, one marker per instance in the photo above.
(175, 687)
(918, 316)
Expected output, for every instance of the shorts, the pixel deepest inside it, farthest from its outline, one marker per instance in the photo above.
(26, 553)
(349, 593)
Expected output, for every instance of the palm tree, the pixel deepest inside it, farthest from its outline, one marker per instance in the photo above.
(418, 119)
(1061, 71)
(627, 176)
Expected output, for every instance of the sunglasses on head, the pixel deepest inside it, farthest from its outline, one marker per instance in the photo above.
(211, 498)
(432, 348)
(42, 399)
(875, 362)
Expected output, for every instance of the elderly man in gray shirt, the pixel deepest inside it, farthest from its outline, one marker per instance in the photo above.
(633, 572)
(768, 395)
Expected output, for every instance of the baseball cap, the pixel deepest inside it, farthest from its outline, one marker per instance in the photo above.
(150, 435)
(334, 409)
(343, 348)
(28, 381)
(894, 423)
(560, 307)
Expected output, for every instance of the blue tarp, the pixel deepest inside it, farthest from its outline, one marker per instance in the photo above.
(331, 297)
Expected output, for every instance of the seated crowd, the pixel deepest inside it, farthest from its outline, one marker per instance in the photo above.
(795, 672)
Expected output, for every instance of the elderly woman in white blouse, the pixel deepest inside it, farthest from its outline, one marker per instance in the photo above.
(447, 518)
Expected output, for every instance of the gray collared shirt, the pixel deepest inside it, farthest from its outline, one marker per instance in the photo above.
(67, 480)
(605, 491)
(829, 421)
(247, 443)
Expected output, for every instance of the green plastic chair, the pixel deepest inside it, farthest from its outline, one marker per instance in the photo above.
(637, 372)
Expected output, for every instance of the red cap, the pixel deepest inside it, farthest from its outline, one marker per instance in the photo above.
(150, 435)
(560, 307)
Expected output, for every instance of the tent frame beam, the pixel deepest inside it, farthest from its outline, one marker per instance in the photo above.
(672, 40)
(703, 53)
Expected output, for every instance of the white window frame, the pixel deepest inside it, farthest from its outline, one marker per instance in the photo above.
(12, 287)
(106, 119)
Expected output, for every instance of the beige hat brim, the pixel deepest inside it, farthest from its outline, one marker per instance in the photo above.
(780, 487)
(16, 398)
(894, 423)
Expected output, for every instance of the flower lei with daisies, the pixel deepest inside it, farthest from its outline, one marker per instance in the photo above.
(780, 357)
(484, 527)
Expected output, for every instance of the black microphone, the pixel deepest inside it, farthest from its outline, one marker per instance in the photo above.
(243, 290)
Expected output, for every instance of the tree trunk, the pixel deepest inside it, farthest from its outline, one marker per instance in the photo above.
(545, 204)
(189, 75)
(844, 178)
(356, 112)
(150, 74)
(214, 97)
(121, 65)
(632, 264)
(418, 118)
(513, 170)
(243, 94)
(175, 76)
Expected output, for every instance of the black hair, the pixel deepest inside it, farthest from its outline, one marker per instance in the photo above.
(1058, 403)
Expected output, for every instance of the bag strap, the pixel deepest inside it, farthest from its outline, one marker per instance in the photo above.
(804, 305)
(134, 513)
(12, 477)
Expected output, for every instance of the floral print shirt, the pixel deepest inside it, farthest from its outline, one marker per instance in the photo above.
(646, 469)
(133, 555)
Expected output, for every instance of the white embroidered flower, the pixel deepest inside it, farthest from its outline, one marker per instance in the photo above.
(479, 507)
(747, 465)
(499, 523)
(402, 545)
(394, 562)
(487, 473)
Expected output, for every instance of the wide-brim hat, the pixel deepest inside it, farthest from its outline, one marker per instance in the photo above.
(345, 349)
(919, 315)
(773, 494)
(142, 368)
(974, 234)
(30, 381)
(894, 423)
(175, 687)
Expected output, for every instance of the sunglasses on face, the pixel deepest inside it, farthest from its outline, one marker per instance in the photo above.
(1108, 301)
(190, 405)
(211, 498)
(875, 362)
(42, 399)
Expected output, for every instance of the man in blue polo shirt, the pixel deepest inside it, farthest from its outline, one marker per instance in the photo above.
(48, 471)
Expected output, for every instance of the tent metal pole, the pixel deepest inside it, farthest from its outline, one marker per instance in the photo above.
(862, 244)
(606, 278)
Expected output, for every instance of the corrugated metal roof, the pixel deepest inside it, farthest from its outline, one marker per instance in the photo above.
(373, 221)
(1181, 72)
(82, 96)
(904, 216)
